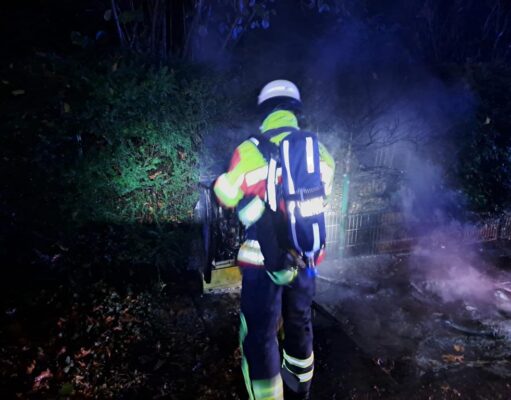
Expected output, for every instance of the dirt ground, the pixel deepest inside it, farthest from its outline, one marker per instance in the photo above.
(379, 334)
(435, 330)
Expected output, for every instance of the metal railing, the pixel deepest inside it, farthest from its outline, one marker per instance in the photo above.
(390, 232)
(333, 229)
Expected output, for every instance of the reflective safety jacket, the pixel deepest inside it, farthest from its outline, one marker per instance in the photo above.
(244, 184)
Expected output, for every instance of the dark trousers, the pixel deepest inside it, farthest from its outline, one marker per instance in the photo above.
(263, 304)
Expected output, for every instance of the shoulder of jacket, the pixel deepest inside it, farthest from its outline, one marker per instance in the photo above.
(249, 155)
(247, 146)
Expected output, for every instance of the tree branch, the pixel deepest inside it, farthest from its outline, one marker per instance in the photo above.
(117, 24)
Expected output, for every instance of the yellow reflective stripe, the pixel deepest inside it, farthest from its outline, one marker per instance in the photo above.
(244, 362)
(268, 389)
(264, 389)
(249, 214)
(256, 176)
(299, 362)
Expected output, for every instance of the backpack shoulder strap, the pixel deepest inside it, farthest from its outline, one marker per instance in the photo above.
(264, 145)
(263, 141)
(271, 153)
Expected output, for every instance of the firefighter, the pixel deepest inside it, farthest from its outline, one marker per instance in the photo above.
(274, 291)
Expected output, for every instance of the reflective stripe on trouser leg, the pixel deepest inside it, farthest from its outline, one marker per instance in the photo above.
(260, 312)
(244, 363)
(268, 389)
(298, 362)
(298, 372)
(259, 389)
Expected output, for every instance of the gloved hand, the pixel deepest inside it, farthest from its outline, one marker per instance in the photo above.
(289, 272)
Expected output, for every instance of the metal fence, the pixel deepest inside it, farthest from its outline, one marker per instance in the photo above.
(390, 232)
(333, 230)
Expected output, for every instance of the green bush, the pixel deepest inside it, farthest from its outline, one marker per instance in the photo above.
(139, 130)
(103, 155)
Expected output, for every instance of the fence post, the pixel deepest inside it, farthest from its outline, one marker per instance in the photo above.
(344, 213)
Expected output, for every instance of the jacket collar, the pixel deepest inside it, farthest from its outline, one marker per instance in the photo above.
(279, 119)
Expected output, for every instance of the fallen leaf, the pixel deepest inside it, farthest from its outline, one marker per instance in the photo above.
(18, 92)
(445, 387)
(83, 353)
(31, 367)
(41, 377)
(67, 108)
(453, 358)
(61, 247)
(182, 155)
(458, 348)
(155, 175)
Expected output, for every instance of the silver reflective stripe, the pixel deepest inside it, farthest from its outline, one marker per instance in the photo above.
(315, 229)
(270, 184)
(279, 172)
(291, 184)
(251, 213)
(309, 151)
(291, 213)
(297, 362)
(256, 176)
(311, 207)
(291, 210)
(250, 252)
(306, 376)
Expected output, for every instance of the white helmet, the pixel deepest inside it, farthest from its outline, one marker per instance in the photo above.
(279, 88)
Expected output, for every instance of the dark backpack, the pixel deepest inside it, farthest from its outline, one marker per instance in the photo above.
(301, 188)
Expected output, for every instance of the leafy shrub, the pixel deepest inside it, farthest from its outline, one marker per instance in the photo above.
(139, 129)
